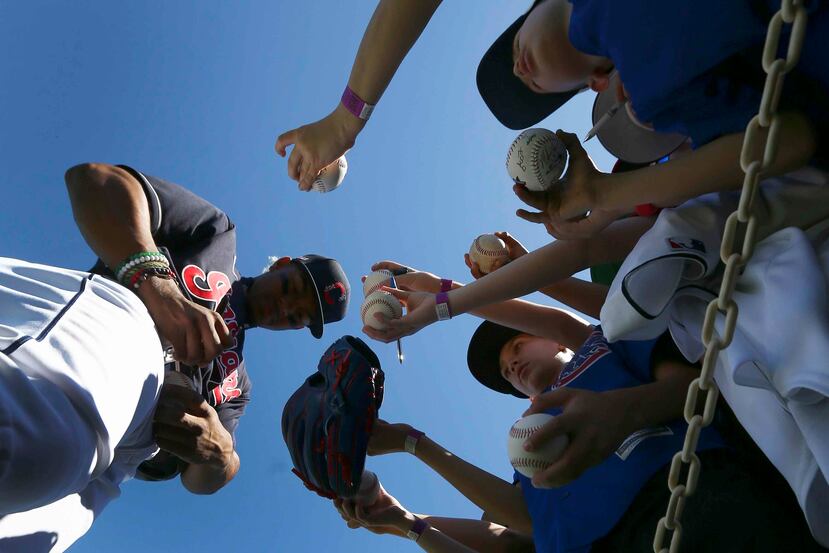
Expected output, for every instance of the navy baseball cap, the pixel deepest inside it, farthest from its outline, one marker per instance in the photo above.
(484, 356)
(509, 100)
(332, 287)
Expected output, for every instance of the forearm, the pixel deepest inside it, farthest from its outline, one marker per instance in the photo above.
(393, 29)
(111, 211)
(479, 535)
(711, 168)
(490, 493)
(208, 478)
(549, 264)
(585, 297)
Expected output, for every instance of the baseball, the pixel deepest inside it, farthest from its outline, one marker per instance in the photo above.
(375, 280)
(331, 176)
(486, 250)
(530, 462)
(380, 302)
(536, 159)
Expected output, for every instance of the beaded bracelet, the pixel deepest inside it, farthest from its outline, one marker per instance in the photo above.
(143, 274)
(130, 273)
(137, 259)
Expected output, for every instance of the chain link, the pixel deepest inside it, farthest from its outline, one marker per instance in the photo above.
(740, 228)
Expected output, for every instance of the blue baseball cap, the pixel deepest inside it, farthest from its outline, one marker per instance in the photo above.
(332, 287)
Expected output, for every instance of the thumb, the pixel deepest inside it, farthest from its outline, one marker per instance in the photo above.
(402, 295)
(548, 400)
(284, 140)
(573, 145)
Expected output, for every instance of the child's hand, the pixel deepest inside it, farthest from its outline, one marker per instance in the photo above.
(584, 227)
(387, 438)
(592, 420)
(514, 248)
(412, 280)
(575, 195)
(386, 516)
(420, 307)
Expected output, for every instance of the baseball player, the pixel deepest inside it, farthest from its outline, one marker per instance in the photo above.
(178, 301)
(616, 402)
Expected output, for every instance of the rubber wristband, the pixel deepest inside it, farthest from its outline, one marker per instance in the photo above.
(411, 440)
(417, 529)
(442, 307)
(445, 285)
(356, 105)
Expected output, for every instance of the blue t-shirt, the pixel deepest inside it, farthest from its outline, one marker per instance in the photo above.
(570, 518)
(694, 67)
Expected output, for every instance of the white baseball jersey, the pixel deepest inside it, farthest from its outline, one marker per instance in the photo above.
(774, 373)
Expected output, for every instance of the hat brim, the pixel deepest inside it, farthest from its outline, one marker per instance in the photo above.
(317, 322)
(509, 99)
(626, 139)
(483, 356)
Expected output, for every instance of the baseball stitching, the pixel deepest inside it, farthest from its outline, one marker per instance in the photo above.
(487, 252)
(374, 302)
(524, 462)
(546, 139)
(522, 433)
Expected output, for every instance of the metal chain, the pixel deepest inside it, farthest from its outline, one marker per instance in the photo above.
(740, 227)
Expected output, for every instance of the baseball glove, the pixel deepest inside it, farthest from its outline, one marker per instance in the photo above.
(327, 422)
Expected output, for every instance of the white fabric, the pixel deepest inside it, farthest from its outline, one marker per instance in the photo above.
(775, 374)
(80, 374)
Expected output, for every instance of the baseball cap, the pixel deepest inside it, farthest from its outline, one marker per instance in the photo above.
(625, 137)
(509, 100)
(332, 287)
(484, 353)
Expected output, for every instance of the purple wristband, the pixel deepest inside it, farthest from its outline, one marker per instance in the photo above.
(417, 530)
(356, 105)
(442, 306)
(445, 285)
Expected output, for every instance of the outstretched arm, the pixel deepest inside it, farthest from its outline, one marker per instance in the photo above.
(503, 501)
(392, 31)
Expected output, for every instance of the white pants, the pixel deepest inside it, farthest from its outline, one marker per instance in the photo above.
(80, 372)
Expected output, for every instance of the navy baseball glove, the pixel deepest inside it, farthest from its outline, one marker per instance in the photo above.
(327, 422)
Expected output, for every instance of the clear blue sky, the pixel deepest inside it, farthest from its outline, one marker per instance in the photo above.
(196, 92)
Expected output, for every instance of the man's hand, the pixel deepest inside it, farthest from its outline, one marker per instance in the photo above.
(387, 438)
(318, 145)
(576, 193)
(584, 227)
(595, 423)
(514, 250)
(186, 426)
(197, 334)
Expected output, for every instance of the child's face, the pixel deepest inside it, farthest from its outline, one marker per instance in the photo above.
(543, 57)
(531, 364)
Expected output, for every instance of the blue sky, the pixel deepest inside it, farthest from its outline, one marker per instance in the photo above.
(196, 92)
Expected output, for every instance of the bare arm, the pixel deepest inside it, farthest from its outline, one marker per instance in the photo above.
(112, 213)
(585, 297)
(479, 535)
(392, 31)
(210, 478)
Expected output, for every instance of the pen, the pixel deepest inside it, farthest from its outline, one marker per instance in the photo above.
(603, 120)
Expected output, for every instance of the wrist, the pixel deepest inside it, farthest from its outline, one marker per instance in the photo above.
(411, 440)
(347, 125)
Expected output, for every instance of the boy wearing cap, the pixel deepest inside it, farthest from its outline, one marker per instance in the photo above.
(83, 354)
(620, 404)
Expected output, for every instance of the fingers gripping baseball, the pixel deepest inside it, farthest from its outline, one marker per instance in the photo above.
(420, 308)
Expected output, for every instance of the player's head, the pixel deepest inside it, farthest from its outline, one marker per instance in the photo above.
(533, 68)
(512, 362)
(304, 291)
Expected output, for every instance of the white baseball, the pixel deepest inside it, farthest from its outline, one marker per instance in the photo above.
(536, 159)
(530, 462)
(486, 250)
(380, 302)
(331, 176)
(375, 280)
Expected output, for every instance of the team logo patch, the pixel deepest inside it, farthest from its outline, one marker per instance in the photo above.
(685, 243)
(334, 293)
(593, 349)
